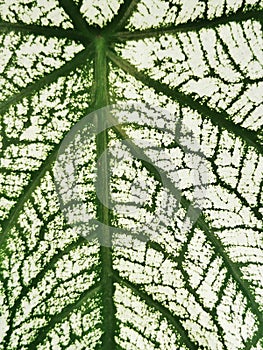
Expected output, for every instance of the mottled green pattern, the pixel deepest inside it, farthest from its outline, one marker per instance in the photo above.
(202, 60)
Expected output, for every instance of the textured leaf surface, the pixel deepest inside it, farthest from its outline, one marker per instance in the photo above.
(199, 288)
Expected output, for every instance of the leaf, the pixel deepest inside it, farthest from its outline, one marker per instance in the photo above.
(193, 71)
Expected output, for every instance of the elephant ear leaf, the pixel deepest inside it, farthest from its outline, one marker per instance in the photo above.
(193, 70)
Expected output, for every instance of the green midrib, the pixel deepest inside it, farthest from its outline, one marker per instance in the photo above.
(103, 215)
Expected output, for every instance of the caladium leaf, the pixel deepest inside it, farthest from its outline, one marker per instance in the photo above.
(199, 65)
